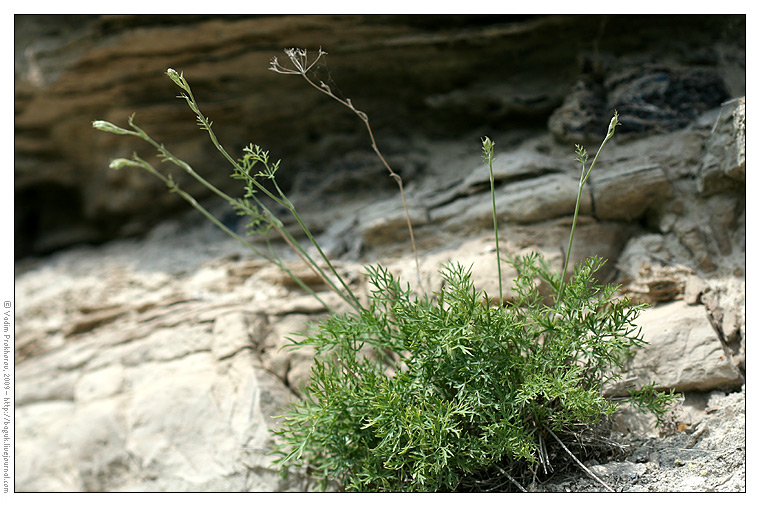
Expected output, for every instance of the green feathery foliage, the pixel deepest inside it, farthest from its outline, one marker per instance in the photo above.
(416, 394)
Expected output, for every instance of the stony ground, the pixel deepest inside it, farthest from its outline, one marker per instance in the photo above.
(707, 454)
(707, 457)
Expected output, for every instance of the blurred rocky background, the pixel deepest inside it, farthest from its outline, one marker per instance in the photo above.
(148, 343)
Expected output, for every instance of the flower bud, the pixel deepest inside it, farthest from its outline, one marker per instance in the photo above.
(106, 126)
(177, 78)
(119, 163)
(613, 123)
(487, 148)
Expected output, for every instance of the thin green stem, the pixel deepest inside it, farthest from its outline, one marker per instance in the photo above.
(302, 68)
(202, 120)
(205, 124)
(295, 245)
(488, 157)
(167, 155)
(314, 242)
(194, 203)
(582, 158)
(570, 242)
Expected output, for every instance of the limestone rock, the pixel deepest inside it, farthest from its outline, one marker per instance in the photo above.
(626, 191)
(43, 464)
(622, 471)
(684, 353)
(288, 366)
(655, 283)
(532, 200)
(663, 98)
(96, 440)
(649, 98)
(724, 163)
(512, 166)
(581, 116)
(437, 75)
(693, 236)
(737, 168)
(693, 289)
(102, 383)
(236, 331)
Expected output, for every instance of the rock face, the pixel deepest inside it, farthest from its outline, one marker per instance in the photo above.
(683, 346)
(155, 363)
(449, 76)
(182, 387)
(653, 98)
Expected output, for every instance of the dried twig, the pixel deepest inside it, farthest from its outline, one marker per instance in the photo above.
(585, 469)
(511, 479)
(302, 66)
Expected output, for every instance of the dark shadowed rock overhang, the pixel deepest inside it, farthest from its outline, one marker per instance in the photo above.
(416, 76)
